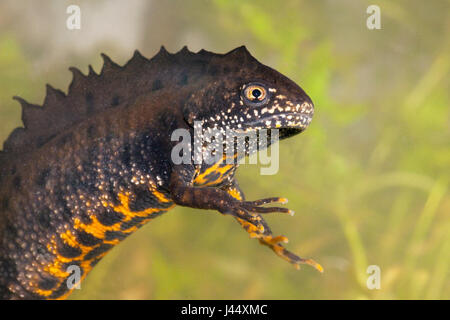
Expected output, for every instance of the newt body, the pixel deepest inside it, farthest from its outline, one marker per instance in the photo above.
(91, 167)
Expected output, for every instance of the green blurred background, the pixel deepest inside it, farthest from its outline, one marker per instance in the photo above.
(368, 179)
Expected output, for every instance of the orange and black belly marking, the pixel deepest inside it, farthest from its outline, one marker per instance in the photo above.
(215, 174)
(98, 187)
(84, 244)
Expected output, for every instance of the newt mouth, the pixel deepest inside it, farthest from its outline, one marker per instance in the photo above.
(289, 132)
(289, 116)
(287, 120)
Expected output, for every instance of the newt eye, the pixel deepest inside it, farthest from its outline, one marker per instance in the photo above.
(255, 94)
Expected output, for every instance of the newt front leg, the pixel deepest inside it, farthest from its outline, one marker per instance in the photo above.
(262, 232)
(230, 200)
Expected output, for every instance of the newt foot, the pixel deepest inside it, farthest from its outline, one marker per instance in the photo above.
(258, 228)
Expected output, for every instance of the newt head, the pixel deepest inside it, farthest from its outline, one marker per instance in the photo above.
(249, 96)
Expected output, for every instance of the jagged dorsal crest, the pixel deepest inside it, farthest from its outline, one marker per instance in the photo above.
(89, 94)
(240, 53)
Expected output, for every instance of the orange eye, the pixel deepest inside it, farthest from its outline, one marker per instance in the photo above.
(255, 93)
